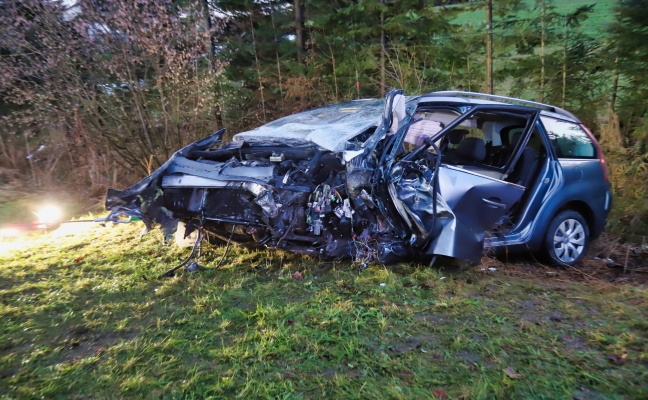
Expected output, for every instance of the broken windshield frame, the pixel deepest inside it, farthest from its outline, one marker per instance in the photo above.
(387, 119)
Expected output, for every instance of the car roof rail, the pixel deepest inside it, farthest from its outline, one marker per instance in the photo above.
(503, 99)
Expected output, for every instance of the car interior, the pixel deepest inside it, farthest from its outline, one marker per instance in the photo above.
(485, 143)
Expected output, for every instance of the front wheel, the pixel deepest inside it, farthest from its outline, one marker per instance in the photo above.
(567, 238)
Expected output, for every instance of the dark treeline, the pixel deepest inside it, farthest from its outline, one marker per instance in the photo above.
(97, 93)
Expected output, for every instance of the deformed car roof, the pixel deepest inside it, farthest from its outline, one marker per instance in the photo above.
(332, 126)
(482, 98)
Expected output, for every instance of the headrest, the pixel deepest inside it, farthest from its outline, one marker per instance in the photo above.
(456, 136)
(472, 149)
(505, 132)
(516, 138)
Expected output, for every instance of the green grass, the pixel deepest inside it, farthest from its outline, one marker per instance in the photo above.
(83, 316)
(596, 25)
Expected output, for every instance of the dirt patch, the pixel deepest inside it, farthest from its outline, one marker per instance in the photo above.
(585, 393)
(576, 343)
(82, 343)
(404, 345)
(469, 357)
(605, 262)
(531, 317)
(556, 316)
(429, 318)
(407, 344)
(529, 305)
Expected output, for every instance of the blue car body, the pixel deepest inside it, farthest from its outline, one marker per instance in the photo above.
(400, 178)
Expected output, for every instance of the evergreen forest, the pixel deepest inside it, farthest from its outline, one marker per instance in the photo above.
(98, 93)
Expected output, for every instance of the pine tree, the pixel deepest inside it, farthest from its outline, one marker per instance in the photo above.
(630, 35)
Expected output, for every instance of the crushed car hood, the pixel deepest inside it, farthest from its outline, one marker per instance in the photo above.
(327, 127)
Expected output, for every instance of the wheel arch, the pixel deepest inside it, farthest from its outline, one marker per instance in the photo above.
(571, 245)
(580, 207)
(536, 241)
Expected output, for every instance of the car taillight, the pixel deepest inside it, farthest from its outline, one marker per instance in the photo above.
(604, 166)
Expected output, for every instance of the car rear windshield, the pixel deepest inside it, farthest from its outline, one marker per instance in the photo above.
(568, 139)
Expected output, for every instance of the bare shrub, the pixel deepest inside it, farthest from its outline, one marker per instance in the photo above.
(610, 131)
(103, 86)
(628, 175)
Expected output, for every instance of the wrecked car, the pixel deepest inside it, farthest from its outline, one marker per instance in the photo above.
(387, 180)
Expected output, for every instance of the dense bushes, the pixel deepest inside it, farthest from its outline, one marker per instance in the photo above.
(99, 93)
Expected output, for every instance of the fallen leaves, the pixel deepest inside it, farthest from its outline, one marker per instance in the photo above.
(439, 394)
(297, 275)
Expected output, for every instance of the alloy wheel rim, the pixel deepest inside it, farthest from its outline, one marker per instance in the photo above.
(569, 240)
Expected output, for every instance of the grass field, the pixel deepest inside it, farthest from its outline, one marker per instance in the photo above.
(596, 25)
(84, 316)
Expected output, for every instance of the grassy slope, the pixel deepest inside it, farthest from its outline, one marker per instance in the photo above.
(84, 317)
(596, 25)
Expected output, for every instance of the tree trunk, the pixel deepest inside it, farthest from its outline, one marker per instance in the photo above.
(542, 51)
(564, 66)
(468, 69)
(274, 30)
(334, 66)
(615, 82)
(489, 46)
(383, 49)
(209, 25)
(299, 30)
(258, 68)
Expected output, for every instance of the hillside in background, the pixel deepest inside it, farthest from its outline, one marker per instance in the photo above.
(598, 24)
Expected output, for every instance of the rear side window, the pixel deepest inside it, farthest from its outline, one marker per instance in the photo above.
(568, 139)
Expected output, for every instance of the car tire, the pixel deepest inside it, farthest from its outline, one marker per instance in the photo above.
(567, 238)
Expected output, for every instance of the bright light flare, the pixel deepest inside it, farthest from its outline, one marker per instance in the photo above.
(49, 214)
(8, 241)
(73, 228)
(10, 232)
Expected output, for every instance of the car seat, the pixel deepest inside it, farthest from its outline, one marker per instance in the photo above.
(454, 138)
(524, 168)
(472, 150)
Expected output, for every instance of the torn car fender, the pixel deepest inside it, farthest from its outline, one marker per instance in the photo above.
(144, 199)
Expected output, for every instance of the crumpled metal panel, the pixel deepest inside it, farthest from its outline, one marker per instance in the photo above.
(418, 197)
(472, 199)
(471, 196)
(467, 205)
(328, 127)
(145, 200)
(231, 170)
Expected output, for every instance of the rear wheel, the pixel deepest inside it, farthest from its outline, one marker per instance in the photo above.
(567, 238)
